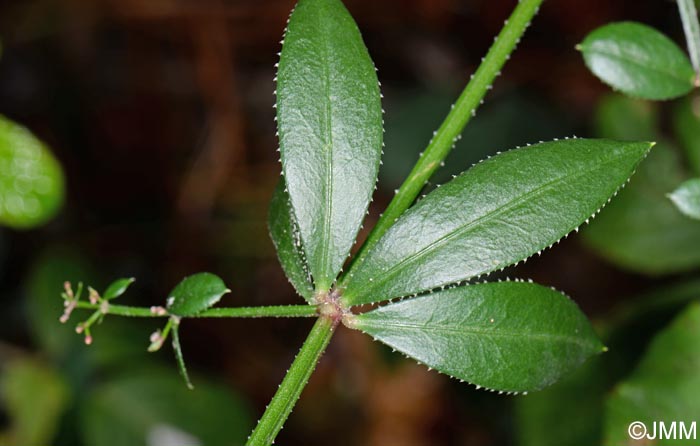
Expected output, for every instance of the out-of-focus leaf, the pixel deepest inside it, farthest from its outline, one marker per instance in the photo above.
(285, 235)
(330, 128)
(641, 230)
(151, 407)
(625, 118)
(510, 336)
(638, 60)
(686, 123)
(43, 287)
(627, 332)
(664, 387)
(687, 198)
(117, 288)
(195, 294)
(575, 402)
(31, 180)
(35, 397)
(501, 211)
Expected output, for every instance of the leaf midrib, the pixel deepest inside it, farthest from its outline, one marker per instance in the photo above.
(475, 331)
(328, 154)
(391, 272)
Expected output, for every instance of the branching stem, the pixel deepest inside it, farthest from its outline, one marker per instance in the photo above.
(251, 312)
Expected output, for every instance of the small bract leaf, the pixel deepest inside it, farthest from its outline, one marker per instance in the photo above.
(284, 232)
(195, 294)
(117, 288)
(499, 212)
(31, 180)
(330, 130)
(663, 388)
(638, 60)
(687, 198)
(509, 336)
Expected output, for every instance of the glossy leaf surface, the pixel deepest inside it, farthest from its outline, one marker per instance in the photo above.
(287, 240)
(117, 288)
(31, 180)
(638, 60)
(687, 198)
(665, 385)
(501, 211)
(510, 336)
(330, 129)
(195, 294)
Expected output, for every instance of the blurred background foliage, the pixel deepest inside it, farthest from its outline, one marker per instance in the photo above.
(162, 161)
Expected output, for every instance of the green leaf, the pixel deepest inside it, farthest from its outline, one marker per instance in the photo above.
(35, 397)
(31, 180)
(117, 288)
(641, 230)
(284, 232)
(624, 118)
(330, 128)
(664, 387)
(496, 214)
(150, 406)
(195, 294)
(576, 403)
(687, 198)
(638, 60)
(686, 123)
(509, 336)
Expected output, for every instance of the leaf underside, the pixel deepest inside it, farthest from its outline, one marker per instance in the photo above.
(638, 60)
(285, 236)
(498, 213)
(195, 294)
(31, 180)
(330, 130)
(507, 336)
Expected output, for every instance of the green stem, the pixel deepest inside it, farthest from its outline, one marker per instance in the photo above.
(288, 392)
(265, 311)
(689, 17)
(449, 132)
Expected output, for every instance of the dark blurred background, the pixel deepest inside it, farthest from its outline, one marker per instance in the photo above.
(160, 113)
